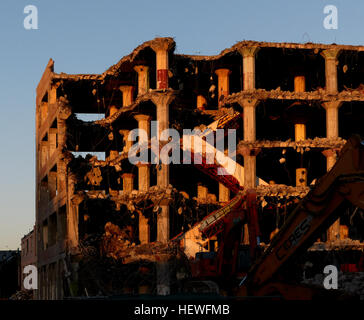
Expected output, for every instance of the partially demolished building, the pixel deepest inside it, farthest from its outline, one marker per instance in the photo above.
(104, 225)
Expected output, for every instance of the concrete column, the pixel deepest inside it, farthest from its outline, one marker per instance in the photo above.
(201, 102)
(143, 79)
(299, 83)
(301, 177)
(300, 131)
(113, 153)
(143, 168)
(332, 118)
(128, 92)
(162, 101)
(128, 182)
(144, 123)
(161, 47)
(61, 175)
(331, 62)
(332, 126)
(43, 111)
(52, 95)
(163, 123)
(248, 54)
(202, 192)
(73, 214)
(144, 178)
(127, 144)
(222, 83)
(332, 131)
(249, 135)
(44, 153)
(52, 138)
(144, 184)
(224, 193)
(62, 133)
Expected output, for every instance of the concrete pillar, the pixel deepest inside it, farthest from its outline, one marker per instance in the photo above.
(222, 83)
(127, 143)
(128, 182)
(143, 79)
(43, 111)
(224, 193)
(332, 131)
(144, 178)
(300, 131)
(299, 83)
(201, 102)
(331, 62)
(144, 184)
(52, 138)
(332, 126)
(61, 175)
(144, 229)
(301, 177)
(113, 154)
(128, 95)
(62, 133)
(144, 123)
(44, 153)
(248, 54)
(72, 215)
(249, 106)
(52, 94)
(161, 48)
(202, 192)
(162, 101)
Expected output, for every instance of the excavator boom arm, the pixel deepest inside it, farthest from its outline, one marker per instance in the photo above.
(345, 181)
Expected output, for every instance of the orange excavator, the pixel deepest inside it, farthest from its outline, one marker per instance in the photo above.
(314, 214)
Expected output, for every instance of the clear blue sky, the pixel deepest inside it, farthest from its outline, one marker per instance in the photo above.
(88, 36)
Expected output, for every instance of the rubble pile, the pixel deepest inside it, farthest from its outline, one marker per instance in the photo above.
(299, 146)
(22, 295)
(342, 244)
(154, 194)
(281, 191)
(319, 94)
(117, 244)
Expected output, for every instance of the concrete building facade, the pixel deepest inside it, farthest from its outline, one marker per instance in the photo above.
(298, 104)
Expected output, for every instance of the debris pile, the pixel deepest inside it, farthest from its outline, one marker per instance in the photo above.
(281, 191)
(22, 295)
(299, 146)
(117, 244)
